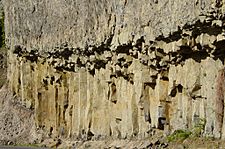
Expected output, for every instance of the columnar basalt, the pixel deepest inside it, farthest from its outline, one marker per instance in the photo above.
(122, 69)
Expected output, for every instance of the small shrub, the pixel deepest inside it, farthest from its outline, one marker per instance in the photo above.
(179, 135)
(199, 128)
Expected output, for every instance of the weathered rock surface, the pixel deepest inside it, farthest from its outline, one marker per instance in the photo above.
(121, 69)
(16, 122)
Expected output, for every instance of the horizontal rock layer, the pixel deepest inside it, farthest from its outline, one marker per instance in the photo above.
(94, 69)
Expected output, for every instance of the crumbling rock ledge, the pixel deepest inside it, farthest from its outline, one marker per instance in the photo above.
(90, 75)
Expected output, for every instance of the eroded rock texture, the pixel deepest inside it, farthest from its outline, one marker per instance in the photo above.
(119, 68)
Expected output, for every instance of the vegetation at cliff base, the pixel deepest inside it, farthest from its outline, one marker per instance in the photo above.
(179, 135)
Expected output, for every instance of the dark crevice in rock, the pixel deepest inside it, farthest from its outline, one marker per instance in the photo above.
(175, 36)
(196, 28)
(219, 3)
(147, 117)
(124, 48)
(219, 52)
(92, 72)
(206, 27)
(186, 52)
(139, 43)
(151, 84)
(59, 81)
(32, 56)
(161, 123)
(176, 89)
(22, 52)
(164, 78)
(18, 50)
(99, 50)
(173, 92)
(90, 135)
(52, 80)
(99, 64)
(180, 88)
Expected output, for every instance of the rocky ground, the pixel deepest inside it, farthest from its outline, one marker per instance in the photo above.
(15, 120)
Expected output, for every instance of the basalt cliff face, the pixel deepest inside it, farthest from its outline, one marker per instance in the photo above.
(93, 69)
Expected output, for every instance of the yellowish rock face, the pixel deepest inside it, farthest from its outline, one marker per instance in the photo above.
(124, 69)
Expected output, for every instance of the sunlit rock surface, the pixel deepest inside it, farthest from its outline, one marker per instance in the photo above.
(120, 68)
